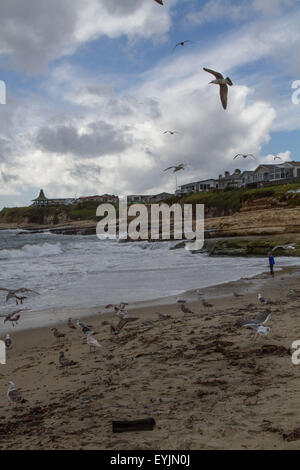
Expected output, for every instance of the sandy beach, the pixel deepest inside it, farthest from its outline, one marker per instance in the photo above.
(207, 383)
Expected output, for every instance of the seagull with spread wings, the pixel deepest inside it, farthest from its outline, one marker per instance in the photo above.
(257, 324)
(159, 1)
(176, 168)
(182, 43)
(116, 329)
(13, 293)
(171, 132)
(223, 83)
(244, 155)
(119, 309)
(13, 317)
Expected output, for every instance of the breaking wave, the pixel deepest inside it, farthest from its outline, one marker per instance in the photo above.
(32, 251)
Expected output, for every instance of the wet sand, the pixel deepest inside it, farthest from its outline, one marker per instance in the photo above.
(207, 383)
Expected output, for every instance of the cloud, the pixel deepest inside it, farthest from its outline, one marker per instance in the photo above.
(35, 32)
(100, 138)
(220, 10)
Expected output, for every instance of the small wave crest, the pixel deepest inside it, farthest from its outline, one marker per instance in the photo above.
(32, 251)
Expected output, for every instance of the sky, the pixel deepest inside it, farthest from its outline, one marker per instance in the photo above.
(92, 86)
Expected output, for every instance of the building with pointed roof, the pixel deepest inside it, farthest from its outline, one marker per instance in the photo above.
(42, 201)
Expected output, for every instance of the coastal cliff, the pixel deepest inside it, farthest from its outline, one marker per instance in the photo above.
(237, 222)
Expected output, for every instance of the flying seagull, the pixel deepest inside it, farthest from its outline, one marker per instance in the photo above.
(12, 317)
(257, 324)
(159, 1)
(13, 395)
(285, 247)
(182, 43)
(276, 157)
(171, 132)
(223, 83)
(116, 329)
(176, 168)
(12, 293)
(244, 155)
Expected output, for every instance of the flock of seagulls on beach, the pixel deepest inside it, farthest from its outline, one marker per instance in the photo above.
(257, 325)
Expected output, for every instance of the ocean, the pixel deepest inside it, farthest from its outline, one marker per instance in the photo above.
(82, 272)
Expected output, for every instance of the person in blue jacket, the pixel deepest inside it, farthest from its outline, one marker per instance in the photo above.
(271, 264)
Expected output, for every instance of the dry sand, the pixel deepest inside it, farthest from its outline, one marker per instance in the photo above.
(207, 383)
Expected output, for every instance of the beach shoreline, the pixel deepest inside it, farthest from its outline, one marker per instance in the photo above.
(207, 383)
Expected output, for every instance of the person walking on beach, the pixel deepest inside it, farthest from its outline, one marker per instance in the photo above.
(271, 264)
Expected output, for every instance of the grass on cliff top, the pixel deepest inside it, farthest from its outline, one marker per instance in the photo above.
(277, 191)
(224, 202)
(39, 215)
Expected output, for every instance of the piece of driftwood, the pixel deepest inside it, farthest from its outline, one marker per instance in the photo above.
(147, 424)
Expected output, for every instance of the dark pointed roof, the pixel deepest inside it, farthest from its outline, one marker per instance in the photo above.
(41, 197)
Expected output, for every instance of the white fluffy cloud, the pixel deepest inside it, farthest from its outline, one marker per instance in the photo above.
(88, 138)
(34, 32)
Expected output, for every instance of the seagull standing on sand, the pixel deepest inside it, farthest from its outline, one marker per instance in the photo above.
(206, 304)
(13, 395)
(180, 301)
(84, 327)
(223, 83)
(237, 295)
(262, 300)
(57, 334)
(92, 342)
(8, 341)
(185, 309)
(71, 324)
(64, 362)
